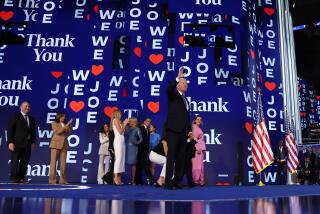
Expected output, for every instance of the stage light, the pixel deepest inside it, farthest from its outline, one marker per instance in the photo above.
(8, 36)
(9, 25)
(299, 27)
(310, 27)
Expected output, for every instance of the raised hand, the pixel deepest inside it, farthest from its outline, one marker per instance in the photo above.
(69, 122)
(180, 73)
(11, 147)
(125, 122)
(190, 136)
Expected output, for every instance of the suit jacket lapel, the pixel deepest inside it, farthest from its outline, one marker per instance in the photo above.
(185, 102)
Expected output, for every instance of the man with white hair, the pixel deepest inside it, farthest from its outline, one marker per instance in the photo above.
(177, 128)
(21, 138)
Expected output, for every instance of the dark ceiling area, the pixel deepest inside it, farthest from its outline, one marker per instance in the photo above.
(307, 41)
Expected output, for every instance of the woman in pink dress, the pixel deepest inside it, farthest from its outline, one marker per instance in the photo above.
(197, 161)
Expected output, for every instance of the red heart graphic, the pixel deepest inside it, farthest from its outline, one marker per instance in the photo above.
(56, 74)
(76, 106)
(318, 97)
(6, 15)
(88, 17)
(181, 40)
(156, 58)
(249, 127)
(299, 87)
(137, 51)
(270, 85)
(96, 8)
(269, 11)
(109, 110)
(252, 54)
(153, 106)
(97, 69)
(303, 114)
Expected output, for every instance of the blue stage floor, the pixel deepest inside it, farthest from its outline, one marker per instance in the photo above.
(43, 198)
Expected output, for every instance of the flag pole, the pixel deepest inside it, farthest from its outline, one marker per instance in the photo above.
(260, 184)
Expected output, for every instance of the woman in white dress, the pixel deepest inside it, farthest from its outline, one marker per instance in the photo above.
(119, 145)
(104, 155)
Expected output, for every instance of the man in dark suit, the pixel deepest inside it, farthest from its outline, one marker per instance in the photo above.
(21, 138)
(281, 156)
(306, 172)
(143, 162)
(177, 130)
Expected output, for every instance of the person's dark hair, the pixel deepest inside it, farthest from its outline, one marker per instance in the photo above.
(25, 101)
(58, 116)
(196, 117)
(146, 118)
(102, 128)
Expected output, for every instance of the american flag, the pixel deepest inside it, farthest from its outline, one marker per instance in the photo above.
(262, 155)
(292, 148)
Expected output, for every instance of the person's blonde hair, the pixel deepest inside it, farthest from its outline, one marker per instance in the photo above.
(115, 114)
(133, 120)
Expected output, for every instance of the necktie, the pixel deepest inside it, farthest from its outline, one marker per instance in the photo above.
(185, 101)
(26, 118)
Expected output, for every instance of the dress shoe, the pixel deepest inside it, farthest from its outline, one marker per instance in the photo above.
(168, 185)
(24, 182)
(177, 185)
(151, 182)
(191, 185)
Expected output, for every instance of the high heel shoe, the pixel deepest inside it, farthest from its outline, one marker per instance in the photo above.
(158, 184)
(118, 183)
(115, 182)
